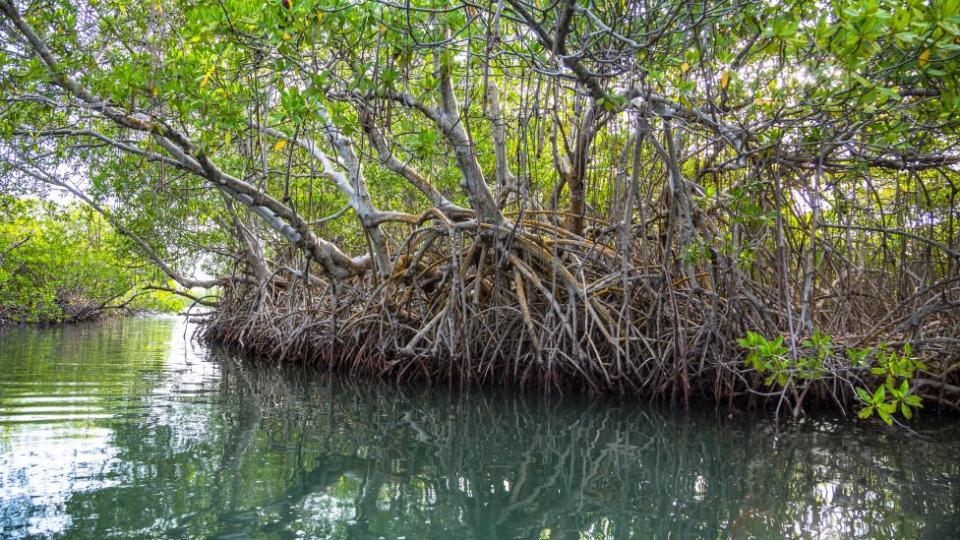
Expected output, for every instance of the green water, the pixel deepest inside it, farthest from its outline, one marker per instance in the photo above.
(127, 430)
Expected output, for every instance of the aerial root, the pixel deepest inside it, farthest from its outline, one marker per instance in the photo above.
(533, 307)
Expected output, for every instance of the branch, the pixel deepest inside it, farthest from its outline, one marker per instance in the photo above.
(277, 215)
(557, 44)
(899, 232)
(391, 162)
(145, 248)
(199, 300)
(129, 148)
(14, 246)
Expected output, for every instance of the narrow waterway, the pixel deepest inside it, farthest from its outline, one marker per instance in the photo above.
(128, 430)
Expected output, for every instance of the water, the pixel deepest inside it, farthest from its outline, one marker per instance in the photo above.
(127, 430)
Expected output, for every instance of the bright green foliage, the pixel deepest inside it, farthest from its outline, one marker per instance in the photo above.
(897, 369)
(773, 356)
(876, 403)
(767, 355)
(65, 263)
(810, 365)
(858, 357)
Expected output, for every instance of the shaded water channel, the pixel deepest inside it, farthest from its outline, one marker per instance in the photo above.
(128, 430)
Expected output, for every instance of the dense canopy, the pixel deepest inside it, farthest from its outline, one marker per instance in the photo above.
(724, 199)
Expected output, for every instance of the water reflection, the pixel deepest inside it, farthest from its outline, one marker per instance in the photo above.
(181, 442)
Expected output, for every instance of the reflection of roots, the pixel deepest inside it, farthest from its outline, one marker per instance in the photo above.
(533, 306)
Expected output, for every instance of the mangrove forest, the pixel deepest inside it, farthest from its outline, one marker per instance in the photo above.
(743, 203)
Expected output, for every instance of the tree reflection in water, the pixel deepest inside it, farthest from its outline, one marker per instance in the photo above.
(327, 457)
(258, 452)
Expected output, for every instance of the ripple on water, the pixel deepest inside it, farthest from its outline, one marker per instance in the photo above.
(127, 430)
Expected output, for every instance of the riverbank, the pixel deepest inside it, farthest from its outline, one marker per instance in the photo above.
(79, 312)
(112, 314)
(62, 263)
(76, 308)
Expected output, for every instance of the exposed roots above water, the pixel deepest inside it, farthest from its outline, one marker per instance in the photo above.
(538, 307)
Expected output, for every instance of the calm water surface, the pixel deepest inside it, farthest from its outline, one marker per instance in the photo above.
(127, 430)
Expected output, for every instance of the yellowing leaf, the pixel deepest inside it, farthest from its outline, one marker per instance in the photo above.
(724, 79)
(281, 144)
(206, 77)
(924, 56)
(684, 67)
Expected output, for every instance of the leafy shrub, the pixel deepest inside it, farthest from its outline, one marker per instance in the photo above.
(770, 356)
(65, 263)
